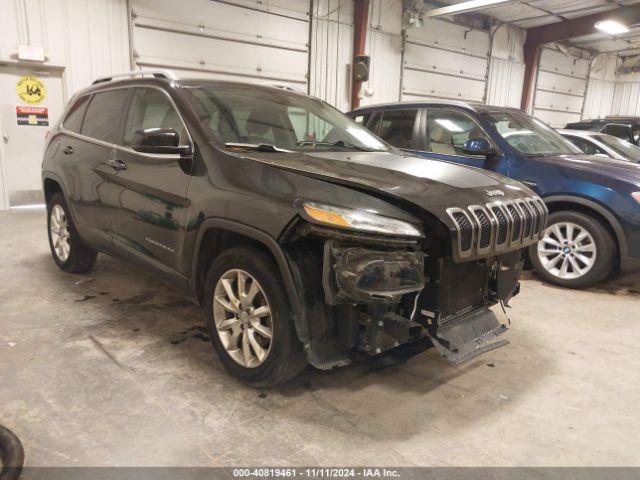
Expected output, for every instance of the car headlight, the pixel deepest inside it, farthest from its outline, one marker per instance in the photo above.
(636, 196)
(358, 220)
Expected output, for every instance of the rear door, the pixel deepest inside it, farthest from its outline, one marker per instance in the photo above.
(398, 127)
(87, 146)
(150, 213)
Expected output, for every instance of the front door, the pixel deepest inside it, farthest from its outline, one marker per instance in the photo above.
(31, 100)
(149, 221)
(445, 132)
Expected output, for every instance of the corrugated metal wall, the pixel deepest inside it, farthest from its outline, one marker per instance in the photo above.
(86, 38)
(602, 83)
(506, 67)
(626, 99)
(560, 86)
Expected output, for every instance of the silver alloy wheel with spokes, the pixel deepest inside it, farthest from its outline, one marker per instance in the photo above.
(243, 318)
(567, 250)
(60, 235)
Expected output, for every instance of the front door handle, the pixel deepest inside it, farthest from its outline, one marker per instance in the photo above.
(68, 150)
(117, 165)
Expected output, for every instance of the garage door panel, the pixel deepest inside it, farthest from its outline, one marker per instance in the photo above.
(292, 8)
(556, 119)
(428, 84)
(556, 61)
(185, 51)
(428, 58)
(224, 21)
(561, 83)
(449, 36)
(558, 101)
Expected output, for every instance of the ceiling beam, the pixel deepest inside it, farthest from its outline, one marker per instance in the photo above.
(566, 30)
(466, 7)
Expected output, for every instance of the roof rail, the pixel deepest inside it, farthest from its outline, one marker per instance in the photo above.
(166, 74)
(284, 86)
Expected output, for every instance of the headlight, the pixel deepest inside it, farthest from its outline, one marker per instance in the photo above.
(636, 196)
(358, 220)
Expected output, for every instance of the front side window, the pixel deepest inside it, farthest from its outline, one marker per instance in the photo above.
(620, 146)
(73, 120)
(237, 113)
(529, 135)
(448, 130)
(585, 145)
(151, 108)
(103, 118)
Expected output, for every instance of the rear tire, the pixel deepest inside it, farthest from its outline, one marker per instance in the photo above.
(576, 250)
(69, 252)
(259, 349)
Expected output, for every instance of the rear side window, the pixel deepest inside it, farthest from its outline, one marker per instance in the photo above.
(103, 117)
(73, 120)
(620, 131)
(585, 145)
(396, 127)
(151, 108)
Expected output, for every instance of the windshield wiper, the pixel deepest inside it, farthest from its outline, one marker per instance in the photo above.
(258, 147)
(339, 143)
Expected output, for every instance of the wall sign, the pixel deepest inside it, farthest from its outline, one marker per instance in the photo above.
(31, 90)
(35, 116)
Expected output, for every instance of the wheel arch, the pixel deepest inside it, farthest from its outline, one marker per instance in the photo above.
(216, 235)
(568, 202)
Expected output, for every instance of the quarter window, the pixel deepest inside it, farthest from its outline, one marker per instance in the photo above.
(150, 108)
(103, 117)
(73, 120)
(448, 130)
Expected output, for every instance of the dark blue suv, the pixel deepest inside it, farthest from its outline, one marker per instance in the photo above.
(594, 203)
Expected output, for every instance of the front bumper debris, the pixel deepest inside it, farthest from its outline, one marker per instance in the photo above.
(468, 336)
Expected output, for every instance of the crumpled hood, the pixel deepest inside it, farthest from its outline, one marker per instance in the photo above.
(431, 184)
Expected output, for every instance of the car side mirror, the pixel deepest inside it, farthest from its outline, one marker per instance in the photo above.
(478, 146)
(162, 141)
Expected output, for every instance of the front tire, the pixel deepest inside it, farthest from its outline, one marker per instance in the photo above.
(69, 252)
(575, 251)
(249, 319)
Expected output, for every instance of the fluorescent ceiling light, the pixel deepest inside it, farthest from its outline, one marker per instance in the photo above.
(611, 27)
(464, 7)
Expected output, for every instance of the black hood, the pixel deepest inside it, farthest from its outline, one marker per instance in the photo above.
(433, 185)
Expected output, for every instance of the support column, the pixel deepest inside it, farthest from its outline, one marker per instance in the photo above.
(360, 22)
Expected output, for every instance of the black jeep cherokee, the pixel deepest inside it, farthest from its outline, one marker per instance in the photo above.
(301, 234)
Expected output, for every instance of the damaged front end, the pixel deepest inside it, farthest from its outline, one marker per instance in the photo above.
(373, 293)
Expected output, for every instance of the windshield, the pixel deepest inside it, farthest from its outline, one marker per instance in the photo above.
(620, 146)
(252, 115)
(529, 135)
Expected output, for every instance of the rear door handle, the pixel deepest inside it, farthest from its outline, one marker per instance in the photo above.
(117, 165)
(68, 150)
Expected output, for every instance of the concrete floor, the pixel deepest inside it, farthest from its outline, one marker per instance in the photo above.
(113, 368)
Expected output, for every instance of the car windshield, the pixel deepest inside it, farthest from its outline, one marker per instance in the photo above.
(248, 114)
(620, 146)
(529, 135)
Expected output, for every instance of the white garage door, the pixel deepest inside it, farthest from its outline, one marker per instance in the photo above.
(560, 88)
(240, 39)
(444, 61)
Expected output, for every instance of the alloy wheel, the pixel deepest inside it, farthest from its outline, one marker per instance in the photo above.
(60, 235)
(567, 250)
(243, 318)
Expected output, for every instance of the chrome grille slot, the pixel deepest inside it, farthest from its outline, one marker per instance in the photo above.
(503, 224)
(465, 228)
(545, 215)
(485, 228)
(527, 220)
(517, 219)
(535, 215)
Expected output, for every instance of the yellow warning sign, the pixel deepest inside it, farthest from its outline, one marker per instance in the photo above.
(31, 90)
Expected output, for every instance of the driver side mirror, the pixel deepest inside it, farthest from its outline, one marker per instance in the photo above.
(478, 146)
(162, 141)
